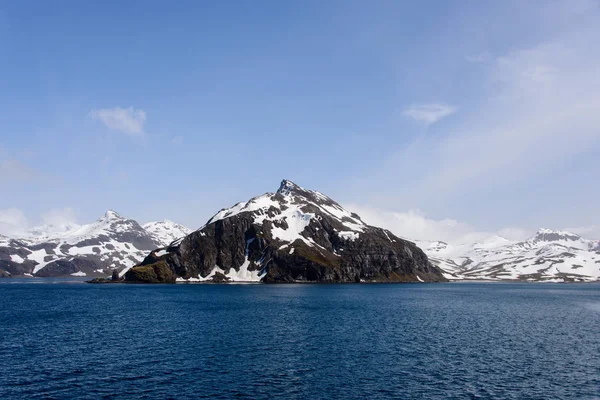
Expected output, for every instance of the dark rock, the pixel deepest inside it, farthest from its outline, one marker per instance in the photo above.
(331, 245)
(152, 273)
(17, 268)
(219, 278)
(68, 267)
(6, 252)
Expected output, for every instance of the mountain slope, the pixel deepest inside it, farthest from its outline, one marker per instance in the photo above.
(291, 235)
(547, 256)
(111, 242)
(166, 231)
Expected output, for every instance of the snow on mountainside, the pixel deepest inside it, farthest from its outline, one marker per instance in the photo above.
(111, 242)
(551, 256)
(166, 231)
(294, 234)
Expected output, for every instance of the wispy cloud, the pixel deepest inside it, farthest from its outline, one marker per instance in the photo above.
(545, 110)
(429, 113)
(177, 140)
(14, 170)
(416, 225)
(125, 120)
(13, 222)
(590, 232)
(538, 108)
(59, 217)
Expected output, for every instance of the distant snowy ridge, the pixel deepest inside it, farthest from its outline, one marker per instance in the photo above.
(166, 231)
(111, 242)
(548, 256)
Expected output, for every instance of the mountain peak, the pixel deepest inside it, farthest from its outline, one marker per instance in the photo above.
(295, 234)
(111, 214)
(287, 187)
(166, 231)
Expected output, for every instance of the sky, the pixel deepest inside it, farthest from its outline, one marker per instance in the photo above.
(438, 120)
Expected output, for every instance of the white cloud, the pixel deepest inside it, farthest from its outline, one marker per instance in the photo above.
(429, 113)
(59, 217)
(13, 222)
(126, 120)
(177, 140)
(539, 110)
(588, 232)
(546, 110)
(13, 170)
(415, 225)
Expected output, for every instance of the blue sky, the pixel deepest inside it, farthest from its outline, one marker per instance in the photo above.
(437, 119)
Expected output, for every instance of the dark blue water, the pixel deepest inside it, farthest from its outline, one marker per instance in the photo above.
(465, 340)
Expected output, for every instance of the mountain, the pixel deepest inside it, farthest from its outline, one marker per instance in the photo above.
(166, 231)
(291, 235)
(549, 255)
(111, 242)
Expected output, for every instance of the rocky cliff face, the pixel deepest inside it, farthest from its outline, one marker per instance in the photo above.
(291, 235)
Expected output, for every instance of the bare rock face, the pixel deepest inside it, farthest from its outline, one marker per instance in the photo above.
(292, 235)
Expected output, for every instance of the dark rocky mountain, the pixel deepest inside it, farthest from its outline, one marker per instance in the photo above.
(110, 243)
(293, 235)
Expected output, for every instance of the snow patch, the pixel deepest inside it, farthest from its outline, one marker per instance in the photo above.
(297, 221)
(348, 235)
(161, 253)
(16, 258)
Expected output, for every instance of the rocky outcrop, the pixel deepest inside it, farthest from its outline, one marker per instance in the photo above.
(293, 235)
(158, 272)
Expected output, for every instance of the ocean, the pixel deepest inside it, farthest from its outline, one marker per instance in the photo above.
(64, 339)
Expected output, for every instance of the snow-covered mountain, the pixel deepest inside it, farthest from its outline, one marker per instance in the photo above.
(166, 231)
(111, 242)
(294, 234)
(549, 255)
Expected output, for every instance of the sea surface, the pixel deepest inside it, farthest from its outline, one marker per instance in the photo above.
(63, 339)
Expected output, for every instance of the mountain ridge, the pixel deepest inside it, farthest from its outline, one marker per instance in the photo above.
(547, 256)
(116, 242)
(94, 249)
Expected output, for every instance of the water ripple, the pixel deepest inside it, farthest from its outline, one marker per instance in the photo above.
(471, 341)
